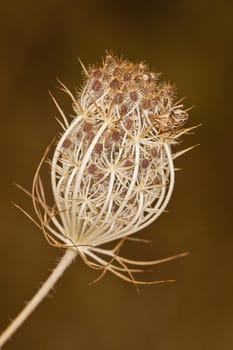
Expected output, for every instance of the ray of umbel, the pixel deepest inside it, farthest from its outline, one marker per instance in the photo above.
(112, 171)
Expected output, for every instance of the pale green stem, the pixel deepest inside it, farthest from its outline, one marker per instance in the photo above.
(65, 261)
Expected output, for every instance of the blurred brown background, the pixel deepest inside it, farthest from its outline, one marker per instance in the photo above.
(190, 42)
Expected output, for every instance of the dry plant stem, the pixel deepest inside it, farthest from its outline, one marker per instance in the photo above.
(65, 261)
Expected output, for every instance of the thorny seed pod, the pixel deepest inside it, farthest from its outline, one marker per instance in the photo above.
(112, 170)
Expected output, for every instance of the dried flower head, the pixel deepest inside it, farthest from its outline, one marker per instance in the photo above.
(112, 170)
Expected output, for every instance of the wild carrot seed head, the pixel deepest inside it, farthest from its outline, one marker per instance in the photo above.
(102, 140)
(112, 170)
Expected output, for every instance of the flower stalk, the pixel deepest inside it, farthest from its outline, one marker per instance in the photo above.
(65, 261)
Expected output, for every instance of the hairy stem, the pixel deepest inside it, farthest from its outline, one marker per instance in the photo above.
(65, 261)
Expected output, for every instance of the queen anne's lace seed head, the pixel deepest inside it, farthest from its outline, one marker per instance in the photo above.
(112, 170)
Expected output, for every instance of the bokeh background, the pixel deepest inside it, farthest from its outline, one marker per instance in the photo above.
(191, 43)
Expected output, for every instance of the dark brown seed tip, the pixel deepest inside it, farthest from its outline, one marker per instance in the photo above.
(132, 199)
(114, 84)
(67, 143)
(90, 135)
(133, 96)
(109, 60)
(117, 72)
(87, 127)
(118, 98)
(128, 124)
(97, 73)
(96, 86)
(98, 148)
(92, 169)
(123, 110)
(115, 135)
(154, 152)
(128, 163)
(127, 76)
(145, 163)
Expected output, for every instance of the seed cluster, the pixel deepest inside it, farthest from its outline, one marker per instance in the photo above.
(112, 165)
(125, 86)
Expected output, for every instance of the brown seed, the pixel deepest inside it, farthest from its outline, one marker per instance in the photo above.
(97, 74)
(146, 104)
(128, 163)
(78, 134)
(67, 143)
(154, 152)
(165, 101)
(96, 86)
(133, 96)
(98, 148)
(100, 177)
(118, 98)
(123, 194)
(92, 169)
(127, 76)
(169, 90)
(157, 180)
(107, 139)
(90, 136)
(128, 124)
(115, 135)
(109, 60)
(145, 163)
(117, 72)
(87, 127)
(114, 84)
(123, 110)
